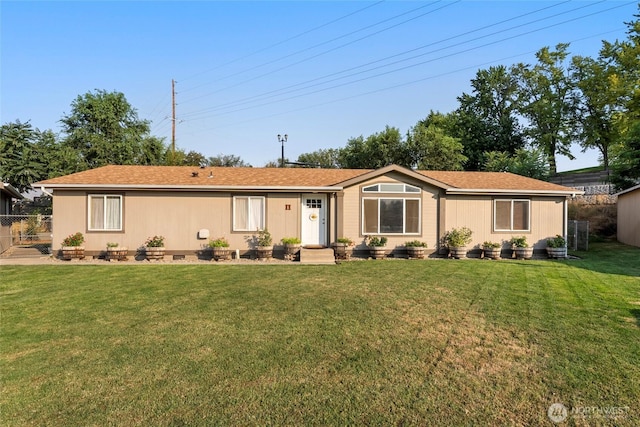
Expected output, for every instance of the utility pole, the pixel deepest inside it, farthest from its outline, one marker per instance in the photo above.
(173, 117)
(282, 140)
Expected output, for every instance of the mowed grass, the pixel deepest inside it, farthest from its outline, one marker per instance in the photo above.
(435, 342)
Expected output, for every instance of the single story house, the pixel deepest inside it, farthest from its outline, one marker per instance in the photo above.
(629, 216)
(7, 194)
(128, 204)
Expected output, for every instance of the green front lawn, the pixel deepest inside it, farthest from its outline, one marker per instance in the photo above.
(436, 342)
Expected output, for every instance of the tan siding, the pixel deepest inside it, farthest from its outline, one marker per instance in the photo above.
(178, 216)
(476, 212)
(629, 218)
(429, 211)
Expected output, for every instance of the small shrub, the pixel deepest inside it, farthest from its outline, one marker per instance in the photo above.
(345, 241)
(557, 242)
(112, 244)
(519, 241)
(264, 238)
(290, 241)
(155, 242)
(458, 237)
(489, 244)
(73, 240)
(219, 243)
(415, 244)
(376, 241)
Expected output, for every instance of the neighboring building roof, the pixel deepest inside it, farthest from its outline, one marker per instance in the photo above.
(8, 188)
(628, 190)
(188, 177)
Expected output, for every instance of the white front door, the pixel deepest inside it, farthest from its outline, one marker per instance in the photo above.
(314, 221)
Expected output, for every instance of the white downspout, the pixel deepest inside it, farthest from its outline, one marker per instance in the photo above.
(45, 191)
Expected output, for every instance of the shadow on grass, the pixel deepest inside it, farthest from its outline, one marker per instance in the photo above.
(636, 313)
(610, 258)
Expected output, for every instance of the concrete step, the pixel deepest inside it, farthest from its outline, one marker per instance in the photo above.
(317, 256)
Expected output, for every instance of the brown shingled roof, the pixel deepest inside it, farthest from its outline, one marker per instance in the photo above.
(221, 176)
(183, 176)
(491, 180)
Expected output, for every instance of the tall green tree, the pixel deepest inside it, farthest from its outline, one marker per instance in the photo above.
(431, 149)
(227, 160)
(486, 119)
(546, 101)
(531, 163)
(105, 129)
(22, 159)
(377, 150)
(625, 165)
(599, 101)
(328, 158)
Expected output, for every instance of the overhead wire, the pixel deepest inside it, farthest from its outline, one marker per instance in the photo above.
(412, 65)
(321, 44)
(284, 90)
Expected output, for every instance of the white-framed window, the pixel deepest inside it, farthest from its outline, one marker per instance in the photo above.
(391, 188)
(511, 215)
(105, 212)
(248, 213)
(390, 216)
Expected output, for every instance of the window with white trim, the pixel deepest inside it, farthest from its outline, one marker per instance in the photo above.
(390, 216)
(511, 215)
(105, 212)
(248, 213)
(391, 188)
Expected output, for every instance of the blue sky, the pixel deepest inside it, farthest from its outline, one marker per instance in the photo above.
(321, 72)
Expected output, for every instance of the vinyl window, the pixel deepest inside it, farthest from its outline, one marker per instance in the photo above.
(105, 212)
(511, 215)
(248, 213)
(390, 216)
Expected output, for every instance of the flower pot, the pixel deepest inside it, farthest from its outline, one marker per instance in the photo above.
(220, 253)
(458, 252)
(154, 253)
(342, 250)
(557, 252)
(523, 253)
(291, 250)
(72, 252)
(264, 252)
(117, 254)
(377, 252)
(491, 253)
(416, 252)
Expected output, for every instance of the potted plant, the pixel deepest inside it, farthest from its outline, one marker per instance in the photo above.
(415, 249)
(72, 246)
(377, 246)
(342, 248)
(457, 240)
(291, 247)
(557, 247)
(264, 241)
(220, 249)
(116, 252)
(521, 247)
(154, 248)
(491, 249)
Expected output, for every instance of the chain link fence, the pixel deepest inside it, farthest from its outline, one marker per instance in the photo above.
(578, 235)
(26, 231)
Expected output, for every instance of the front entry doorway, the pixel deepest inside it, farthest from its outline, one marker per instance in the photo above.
(314, 219)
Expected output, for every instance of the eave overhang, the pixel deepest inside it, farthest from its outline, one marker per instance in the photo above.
(13, 192)
(494, 192)
(197, 188)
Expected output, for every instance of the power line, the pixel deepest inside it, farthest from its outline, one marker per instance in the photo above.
(248, 99)
(318, 45)
(279, 43)
(477, 66)
(410, 65)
